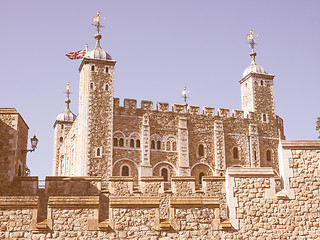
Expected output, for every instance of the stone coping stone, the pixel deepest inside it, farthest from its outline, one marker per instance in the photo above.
(254, 172)
(58, 178)
(19, 202)
(134, 201)
(183, 178)
(152, 179)
(120, 179)
(33, 178)
(195, 201)
(213, 178)
(69, 201)
(301, 144)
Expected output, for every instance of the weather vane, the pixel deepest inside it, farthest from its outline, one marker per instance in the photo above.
(97, 19)
(184, 93)
(68, 91)
(251, 37)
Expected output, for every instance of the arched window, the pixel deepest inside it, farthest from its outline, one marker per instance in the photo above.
(121, 142)
(62, 126)
(91, 86)
(168, 146)
(92, 68)
(61, 139)
(98, 152)
(107, 69)
(201, 175)
(264, 117)
(235, 153)
(165, 174)
(132, 143)
(255, 155)
(201, 150)
(158, 145)
(137, 143)
(115, 142)
(107, 87)
(174, 146)
(153, 145)
(261, 82)
(268, 155)
(124, 171)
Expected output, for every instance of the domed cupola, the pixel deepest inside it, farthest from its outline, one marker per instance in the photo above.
(253, 67)
(97, 52)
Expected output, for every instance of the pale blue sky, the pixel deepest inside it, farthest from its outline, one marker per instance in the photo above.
(160, 47)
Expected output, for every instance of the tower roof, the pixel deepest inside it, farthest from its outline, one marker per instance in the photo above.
(67, 115)
(97, 52)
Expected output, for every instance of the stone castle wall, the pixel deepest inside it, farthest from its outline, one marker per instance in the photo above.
(249, 203)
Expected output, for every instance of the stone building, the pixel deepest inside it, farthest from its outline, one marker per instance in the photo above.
(138, 173)
(108, 139)
(13, 142)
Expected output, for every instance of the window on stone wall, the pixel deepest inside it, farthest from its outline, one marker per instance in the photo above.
(115, 142)
(107, 69)
(158, 145)
(107, 87)
(255, 155)
(62, 126)
(92, 68)
(261, 82)
(264, 117)
(201, 175)
(174, 146)
(121, 142)
(19, 171)
(153, 145)
(201, 150)
(61, 139)
(98, 152)
(235, 153)
(132, 143)
(165, 174)
(137, 143)
(125, 171)
(268, 155)
(168, 146)
(91, 86)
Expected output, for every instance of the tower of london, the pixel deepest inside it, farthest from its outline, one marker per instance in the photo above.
(147, 171)
(107, 138)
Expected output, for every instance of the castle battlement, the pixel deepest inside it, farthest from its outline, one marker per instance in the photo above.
(131, 105)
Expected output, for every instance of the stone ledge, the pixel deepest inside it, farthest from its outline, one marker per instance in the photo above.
(134, 201)
(195, 201)
(58, 178)
(183, 178)
(213, 178)
(120, 179)
(152, 179)
(301, 144)
(68, 201)
(246, 172)
(19, 201)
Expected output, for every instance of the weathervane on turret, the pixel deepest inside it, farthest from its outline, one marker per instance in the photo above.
(251, 37)
(97, 19)
(184, 93)
(68, 101)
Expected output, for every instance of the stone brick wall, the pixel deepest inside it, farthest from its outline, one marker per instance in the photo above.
(246, 204)
(13, 140)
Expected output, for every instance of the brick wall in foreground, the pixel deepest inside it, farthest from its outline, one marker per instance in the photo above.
(250, 203)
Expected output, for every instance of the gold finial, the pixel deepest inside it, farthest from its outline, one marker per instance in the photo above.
(251, 37)
(68, 86)
(97, 19)
(68, 94)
